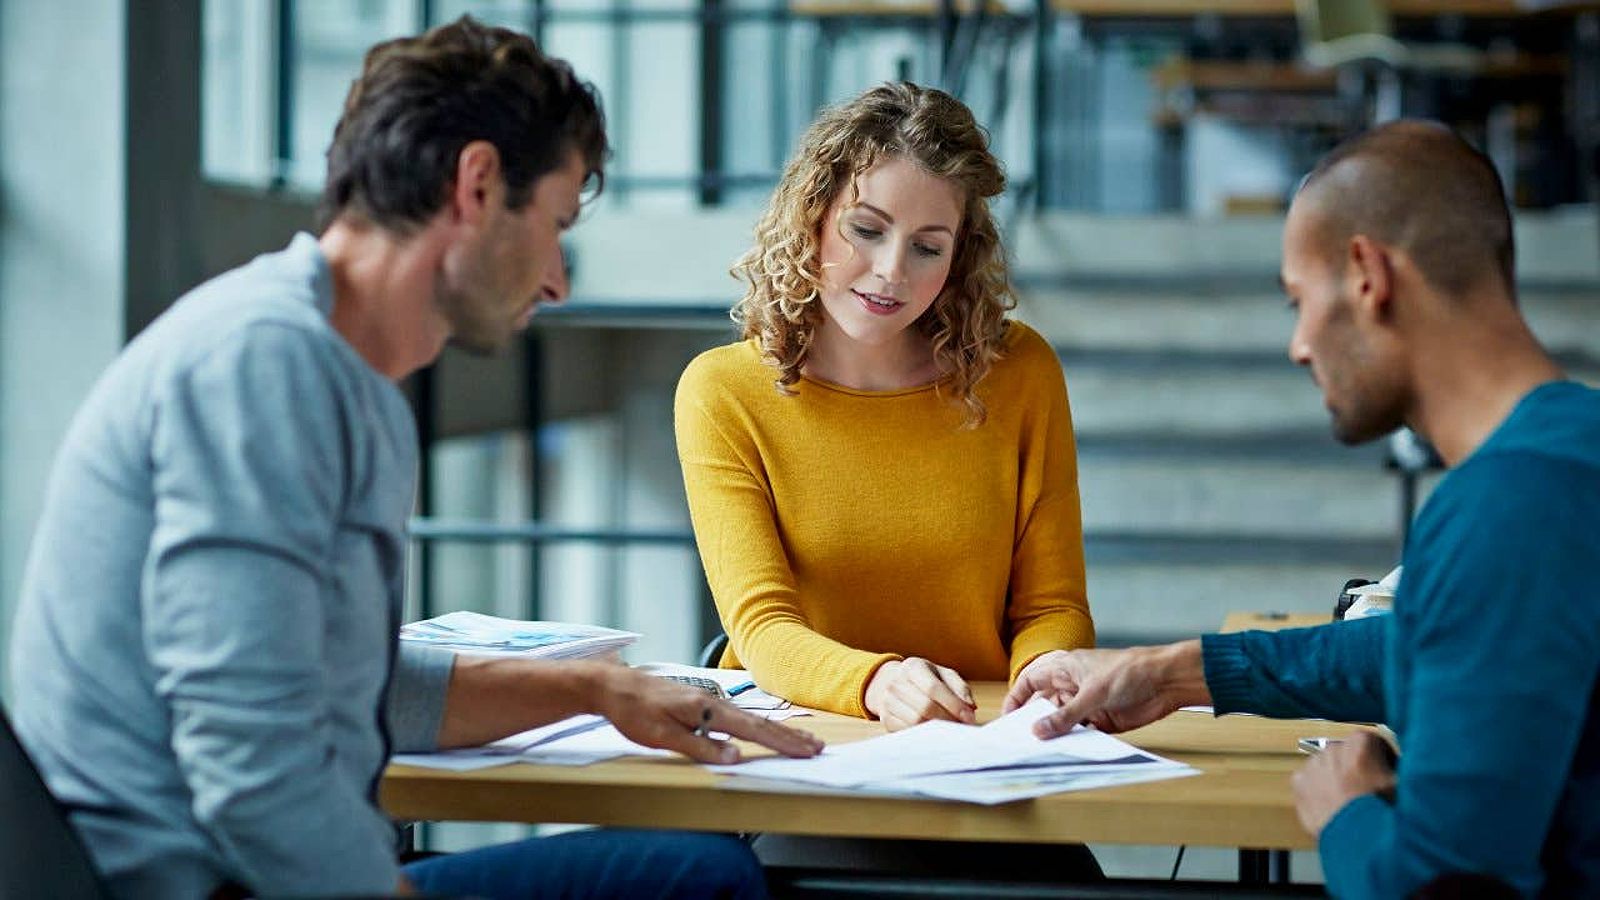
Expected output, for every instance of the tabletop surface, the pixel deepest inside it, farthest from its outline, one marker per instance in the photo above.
(1273, 621)
(1240, 799)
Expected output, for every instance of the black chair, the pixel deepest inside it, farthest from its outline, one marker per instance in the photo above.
(40, 853)
(711, 653)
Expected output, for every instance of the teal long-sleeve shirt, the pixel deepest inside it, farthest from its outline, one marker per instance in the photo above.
(1486, 672)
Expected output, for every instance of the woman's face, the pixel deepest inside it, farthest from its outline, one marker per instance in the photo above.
(887, 252)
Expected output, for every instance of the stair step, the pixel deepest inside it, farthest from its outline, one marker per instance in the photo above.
(1244, 360)
(1159, 601)
(1209, 392)
(1286, 497)
(1260, 280)
(1201, 400)
(1305, 445)
(1222, 549)
(1208, 315)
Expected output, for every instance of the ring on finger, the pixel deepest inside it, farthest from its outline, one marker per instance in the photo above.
(704, 726)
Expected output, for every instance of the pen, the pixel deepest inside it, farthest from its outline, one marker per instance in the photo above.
(738, 689)
(1316, 745)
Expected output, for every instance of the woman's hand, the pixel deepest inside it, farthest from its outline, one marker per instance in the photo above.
(904, 693)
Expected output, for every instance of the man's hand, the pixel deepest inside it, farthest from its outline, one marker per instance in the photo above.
(660, 713)
(1113, 690)
(1357, 765)
(904, 693)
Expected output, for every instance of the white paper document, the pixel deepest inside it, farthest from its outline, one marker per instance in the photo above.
(935, 747)
(927, 759)
(588, 746)
(588, 741)
(453, 760)
(527, 740)
(994, 786)
(999, 762)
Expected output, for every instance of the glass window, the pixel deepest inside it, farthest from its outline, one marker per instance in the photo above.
(330, 38)
(264, 121)
(644, 61)
(518, 14)
(238, 93)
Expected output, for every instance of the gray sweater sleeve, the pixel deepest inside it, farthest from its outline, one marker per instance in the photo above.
(416, 697)
(250, 459)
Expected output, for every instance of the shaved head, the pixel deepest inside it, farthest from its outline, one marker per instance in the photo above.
(1417, 187)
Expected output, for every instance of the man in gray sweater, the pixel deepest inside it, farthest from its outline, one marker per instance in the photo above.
(205, 650)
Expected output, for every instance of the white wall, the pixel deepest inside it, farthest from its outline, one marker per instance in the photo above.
(61, 240)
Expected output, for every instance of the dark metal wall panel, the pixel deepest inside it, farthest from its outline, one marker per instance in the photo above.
(162, 156)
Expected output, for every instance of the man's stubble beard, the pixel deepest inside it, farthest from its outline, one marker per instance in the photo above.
(473, 320)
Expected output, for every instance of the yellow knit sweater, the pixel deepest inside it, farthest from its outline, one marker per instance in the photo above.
(841, 529)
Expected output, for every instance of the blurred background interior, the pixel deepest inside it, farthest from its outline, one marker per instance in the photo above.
(1151, 145)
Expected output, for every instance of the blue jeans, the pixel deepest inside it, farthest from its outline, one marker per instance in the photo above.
(597, 864)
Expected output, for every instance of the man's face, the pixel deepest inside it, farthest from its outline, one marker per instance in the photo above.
(490, 289)
(1362, 386)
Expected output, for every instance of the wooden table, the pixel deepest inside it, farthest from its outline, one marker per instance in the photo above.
(1272, 621)
(1241, 799)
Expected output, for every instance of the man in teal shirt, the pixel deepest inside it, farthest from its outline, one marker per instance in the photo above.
(1398, 259)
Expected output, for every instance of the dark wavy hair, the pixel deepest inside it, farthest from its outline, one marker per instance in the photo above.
(420, 100)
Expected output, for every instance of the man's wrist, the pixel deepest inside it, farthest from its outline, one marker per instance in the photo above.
(562, 689)
(590, 685)
(1179, 673)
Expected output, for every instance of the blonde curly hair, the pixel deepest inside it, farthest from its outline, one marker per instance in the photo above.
(782, 304)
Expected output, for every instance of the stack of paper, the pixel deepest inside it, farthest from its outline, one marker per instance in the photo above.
(481, 635)
(996, 763)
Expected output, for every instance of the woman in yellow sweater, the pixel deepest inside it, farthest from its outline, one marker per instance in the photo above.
(881, 475)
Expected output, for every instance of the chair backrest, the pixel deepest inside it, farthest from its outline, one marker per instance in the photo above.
(1323, 21)
(40, 853)
(711, 653)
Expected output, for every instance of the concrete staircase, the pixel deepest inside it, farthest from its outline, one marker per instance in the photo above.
(1209, 479)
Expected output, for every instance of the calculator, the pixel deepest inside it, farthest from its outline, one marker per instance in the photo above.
(704, 684)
